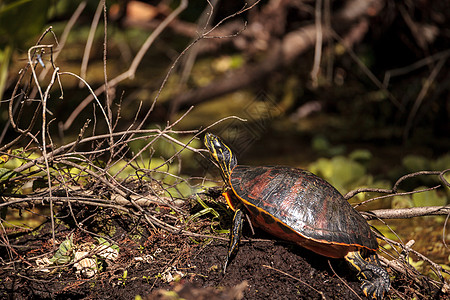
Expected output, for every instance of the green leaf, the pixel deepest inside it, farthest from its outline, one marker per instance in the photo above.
(360, 155)
(6, 174)
(65, 252)
(347, 171)
(414, 163)
(320, 143)
(401, 202)
(442, 163)
(429, 198)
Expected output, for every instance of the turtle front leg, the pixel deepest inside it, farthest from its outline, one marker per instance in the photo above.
(375, 279)
(235, 237)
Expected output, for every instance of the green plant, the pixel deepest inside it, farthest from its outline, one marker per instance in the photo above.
(207, 210)
(123, 279)
(65, 252)
(147, 278)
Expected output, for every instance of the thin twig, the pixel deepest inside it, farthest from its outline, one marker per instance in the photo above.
(44, 148)
(95, 97)
(105, 74)
(90, 40)
(318, 44)
(64, 36)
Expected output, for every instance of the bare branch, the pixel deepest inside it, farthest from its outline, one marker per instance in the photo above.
(406, 213)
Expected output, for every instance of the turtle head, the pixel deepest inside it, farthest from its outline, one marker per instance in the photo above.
(220, 153)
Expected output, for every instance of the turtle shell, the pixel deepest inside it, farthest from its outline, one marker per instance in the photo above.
(298, 206)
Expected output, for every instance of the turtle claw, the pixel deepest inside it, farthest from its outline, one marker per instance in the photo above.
(374, 289)
(375, 281)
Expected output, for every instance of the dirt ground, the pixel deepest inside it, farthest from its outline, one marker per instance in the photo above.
(159, 265)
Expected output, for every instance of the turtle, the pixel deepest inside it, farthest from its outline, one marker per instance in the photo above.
(297, 206)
